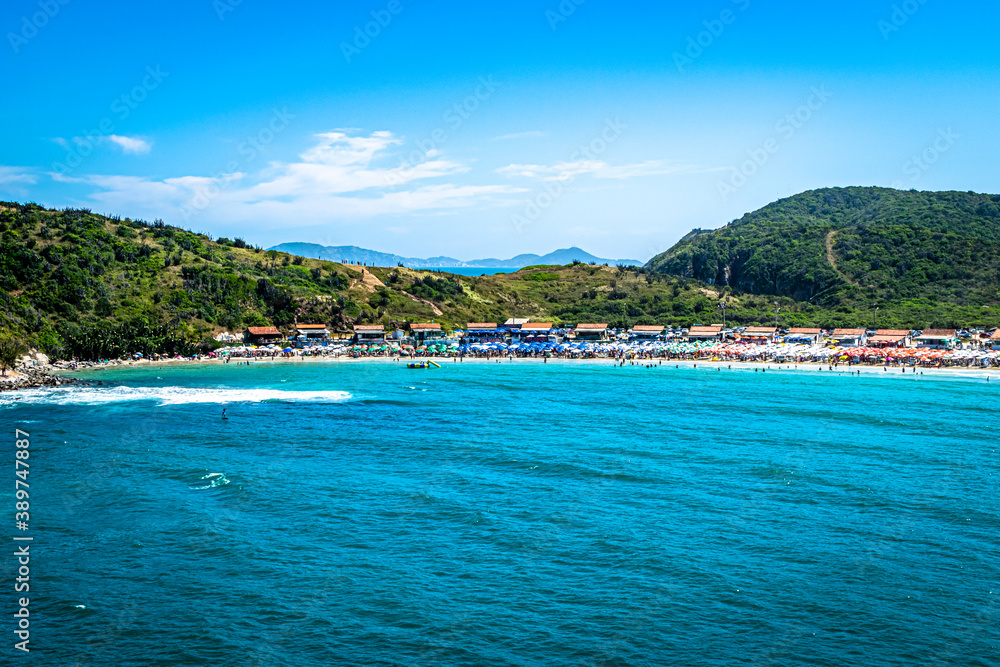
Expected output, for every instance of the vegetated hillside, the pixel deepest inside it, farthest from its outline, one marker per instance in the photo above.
(854, 246)
(74, 283)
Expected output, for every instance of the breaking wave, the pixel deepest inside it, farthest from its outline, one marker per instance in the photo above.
(169, 396)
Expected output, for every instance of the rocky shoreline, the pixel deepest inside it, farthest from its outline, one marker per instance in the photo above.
(27, 377)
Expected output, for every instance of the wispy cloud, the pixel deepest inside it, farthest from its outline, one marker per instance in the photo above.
(131, 144)
(532, 134)
(340, 176)
(340, 164)
(16, 176)
(562, 171)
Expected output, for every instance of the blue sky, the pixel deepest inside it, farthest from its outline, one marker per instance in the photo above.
(493, 129)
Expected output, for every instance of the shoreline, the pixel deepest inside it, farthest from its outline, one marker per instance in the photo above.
(71, 375)
(34, 378)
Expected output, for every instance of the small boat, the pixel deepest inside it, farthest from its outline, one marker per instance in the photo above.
(422, 364)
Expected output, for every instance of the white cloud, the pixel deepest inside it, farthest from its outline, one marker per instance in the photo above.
(341, 176)
(339, 149)
(131, 144)
(16, 176)
(563, 171)
(560, 171)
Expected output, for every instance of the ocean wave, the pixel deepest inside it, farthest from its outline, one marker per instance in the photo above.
(169, 396)
(211, 480)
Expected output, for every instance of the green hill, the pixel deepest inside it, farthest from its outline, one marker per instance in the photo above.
(852, 246)
(74, 283)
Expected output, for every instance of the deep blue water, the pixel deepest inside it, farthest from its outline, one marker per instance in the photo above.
(509, 514)
(469, 270)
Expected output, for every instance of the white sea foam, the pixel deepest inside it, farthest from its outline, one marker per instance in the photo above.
(168, 395)
(214, 479)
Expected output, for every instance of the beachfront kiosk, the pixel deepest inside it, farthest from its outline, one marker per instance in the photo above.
(849, 337)
(532, 332)
(711, 333)
(591, 332)
(643, 332)
(425, 333)
(311, 333)
(261, 335)
(759, 335)
(890, 338)
(512, 326)
(482, 332)
(366, 334)
(937, 339)
(804, 335)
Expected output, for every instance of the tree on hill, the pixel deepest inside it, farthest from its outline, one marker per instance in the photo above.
(11, 350)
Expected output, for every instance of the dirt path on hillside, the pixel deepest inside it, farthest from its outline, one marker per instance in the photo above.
(833, 260)
(369, 281)
(437, 311)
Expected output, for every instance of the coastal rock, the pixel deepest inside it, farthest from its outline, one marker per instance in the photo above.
(29, 377)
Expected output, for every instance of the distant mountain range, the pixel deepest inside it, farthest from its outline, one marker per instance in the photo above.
(354, 254)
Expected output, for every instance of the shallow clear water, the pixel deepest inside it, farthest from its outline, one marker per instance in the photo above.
(517, 513)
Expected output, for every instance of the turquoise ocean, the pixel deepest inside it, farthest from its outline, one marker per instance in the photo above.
(508, 514)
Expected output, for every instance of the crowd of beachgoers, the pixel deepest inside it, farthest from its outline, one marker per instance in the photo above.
(631, 350)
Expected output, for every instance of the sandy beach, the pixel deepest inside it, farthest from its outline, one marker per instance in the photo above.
(984, 374)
